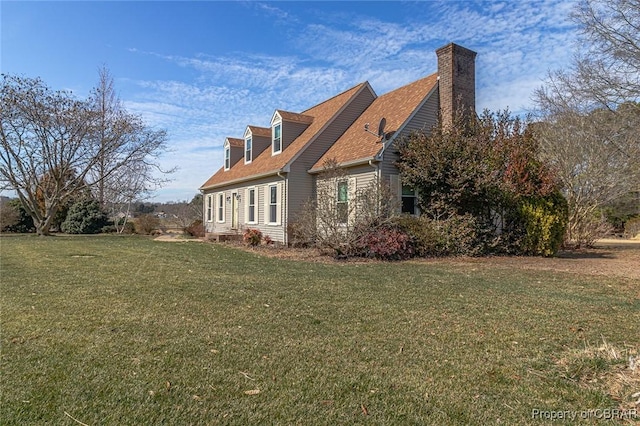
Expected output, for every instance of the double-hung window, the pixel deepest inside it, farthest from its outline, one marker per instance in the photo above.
(251, 202)
(409, 200)
(227, 157)
(342, 201)
(209, 208)
(277, 138)
(247, 150)
(221, 207)
(273, 204)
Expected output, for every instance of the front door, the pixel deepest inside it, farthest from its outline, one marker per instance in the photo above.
(234, 210)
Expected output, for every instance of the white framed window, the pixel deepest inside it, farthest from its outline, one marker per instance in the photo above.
(276, 146)
(247, 150)
(273, 204)
(209, 208)
(409, 200)
(227, 157)
(220, 207)
(251, 203)
(342, 201)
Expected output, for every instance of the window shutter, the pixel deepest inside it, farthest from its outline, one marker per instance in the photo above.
(279, 203)
(245, 198)
(353, 199)
(396, 189)
(266, 204)
(215, 207)
(224, 207)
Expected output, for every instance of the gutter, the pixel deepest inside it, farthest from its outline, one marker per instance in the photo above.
(243, 179)
(352, 163)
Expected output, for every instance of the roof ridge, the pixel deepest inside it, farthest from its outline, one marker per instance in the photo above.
(333, 97)
(409, 84)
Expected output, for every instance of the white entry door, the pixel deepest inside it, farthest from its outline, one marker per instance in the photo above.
(234, 210)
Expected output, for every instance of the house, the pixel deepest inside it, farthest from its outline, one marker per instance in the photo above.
(270, 172)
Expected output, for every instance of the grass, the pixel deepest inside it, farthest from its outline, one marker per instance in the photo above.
(127, 330)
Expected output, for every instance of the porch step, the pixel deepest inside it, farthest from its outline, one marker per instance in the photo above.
(222, 237)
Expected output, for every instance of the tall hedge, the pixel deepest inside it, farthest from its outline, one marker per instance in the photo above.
(84, 217)
(544, 221)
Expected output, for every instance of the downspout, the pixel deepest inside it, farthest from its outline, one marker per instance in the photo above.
(286, 209)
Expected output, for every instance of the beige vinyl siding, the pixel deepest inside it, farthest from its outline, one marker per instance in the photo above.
(302, 184)
(424, 120)
(359, 179)
(276, 232)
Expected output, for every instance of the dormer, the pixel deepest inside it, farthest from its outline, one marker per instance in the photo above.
(285, 128)
(232, 151)
(256, 140)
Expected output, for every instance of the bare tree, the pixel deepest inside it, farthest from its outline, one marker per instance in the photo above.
(596, 157)
(53, 145)
(606, 68)
(591, 114)
(125, 168)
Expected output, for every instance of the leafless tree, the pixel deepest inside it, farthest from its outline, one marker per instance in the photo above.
(606, 68)
(128, 172)
(53, 145)
(596, 156)
(591, 113)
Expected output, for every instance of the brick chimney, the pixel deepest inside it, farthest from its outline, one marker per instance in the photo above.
(457, 81)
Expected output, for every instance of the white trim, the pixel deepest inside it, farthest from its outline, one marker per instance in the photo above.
(247, 206)
(227, 155)
(250, 140)
(361, 162)
(243, 179)
(268, 204)
(273, 137)
(209, 210)
(220, 207)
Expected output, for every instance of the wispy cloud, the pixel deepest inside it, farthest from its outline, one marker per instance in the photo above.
(517, 42)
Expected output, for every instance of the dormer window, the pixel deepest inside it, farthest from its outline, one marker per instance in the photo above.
(227, 156)
(276, 146)
(247, 150)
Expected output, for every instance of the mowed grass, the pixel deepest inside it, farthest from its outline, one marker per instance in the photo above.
(126, 330)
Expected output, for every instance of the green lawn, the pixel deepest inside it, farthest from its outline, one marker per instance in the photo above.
(126, 330)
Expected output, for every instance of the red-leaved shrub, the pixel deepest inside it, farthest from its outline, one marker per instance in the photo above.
(386, 243)
(252, 236)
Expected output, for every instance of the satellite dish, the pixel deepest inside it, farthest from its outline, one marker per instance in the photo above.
(381, 134)
(383, 122)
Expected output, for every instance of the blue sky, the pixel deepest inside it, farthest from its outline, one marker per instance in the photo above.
(205, 70)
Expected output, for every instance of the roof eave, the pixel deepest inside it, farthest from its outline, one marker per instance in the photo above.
(244, 179)
(351, 163)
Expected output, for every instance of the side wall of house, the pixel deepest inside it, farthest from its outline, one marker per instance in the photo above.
(359, 179)
(275, 230)
(302, 183)
(424, 120)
